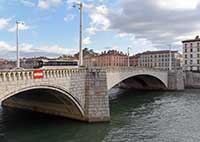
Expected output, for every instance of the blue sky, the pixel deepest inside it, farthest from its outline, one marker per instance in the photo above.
(52, 26)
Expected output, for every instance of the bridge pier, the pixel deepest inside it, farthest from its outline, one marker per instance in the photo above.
(175, 81)
(97, 99)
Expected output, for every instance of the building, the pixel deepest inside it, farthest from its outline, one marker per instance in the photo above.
(134, 60)
(160, 59)
(111, 58)
(6, 64)
(191, 54)
(3, 61)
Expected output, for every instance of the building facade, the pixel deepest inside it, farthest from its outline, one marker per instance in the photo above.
(110, 58)
(134, 60)
(160, 59)
(191, 54)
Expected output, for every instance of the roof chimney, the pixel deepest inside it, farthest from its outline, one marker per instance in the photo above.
(197, 37)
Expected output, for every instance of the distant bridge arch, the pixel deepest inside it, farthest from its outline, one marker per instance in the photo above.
(116, 76)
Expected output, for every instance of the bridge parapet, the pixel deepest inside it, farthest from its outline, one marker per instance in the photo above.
(14, 75)
(141, 69)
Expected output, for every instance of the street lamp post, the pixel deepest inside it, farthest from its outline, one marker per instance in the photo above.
(128, 57)
(170, 58)
(81, 36)
(17, 44)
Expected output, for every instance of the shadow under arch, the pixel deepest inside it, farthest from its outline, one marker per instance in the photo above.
(142, 82)
(62, 101)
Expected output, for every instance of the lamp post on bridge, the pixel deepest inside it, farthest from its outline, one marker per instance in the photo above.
(170, 58)
(17, 44)
(128, 56)
(80, 7)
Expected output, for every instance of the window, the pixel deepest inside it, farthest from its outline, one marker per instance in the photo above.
(191, 61)
(185, 55)
(186, 45)
(198, 49)
(185, 62)
(191, 50)
(198, 55)
(191, 56)
(198, 44)
(198, 61)
(190, 44)
(185, 49)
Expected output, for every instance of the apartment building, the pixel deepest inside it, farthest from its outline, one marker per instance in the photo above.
(160, 59)
(191, 54)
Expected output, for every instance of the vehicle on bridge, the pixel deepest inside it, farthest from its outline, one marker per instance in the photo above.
(56, 64)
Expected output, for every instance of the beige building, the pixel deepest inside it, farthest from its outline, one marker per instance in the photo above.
(191, 54)
(160, 59)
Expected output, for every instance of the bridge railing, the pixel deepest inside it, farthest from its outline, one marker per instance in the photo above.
(122, 69)
(10, 75)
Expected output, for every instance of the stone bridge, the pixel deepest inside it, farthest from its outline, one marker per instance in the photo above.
(79, 93)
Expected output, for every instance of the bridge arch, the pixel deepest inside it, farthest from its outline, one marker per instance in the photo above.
(62, 95)
(145, 79)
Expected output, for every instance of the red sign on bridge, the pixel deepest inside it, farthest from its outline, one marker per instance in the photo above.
(38, 74)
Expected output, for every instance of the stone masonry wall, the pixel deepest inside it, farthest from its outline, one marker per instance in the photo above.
(192, 80)
(97, 101)
(175, 80)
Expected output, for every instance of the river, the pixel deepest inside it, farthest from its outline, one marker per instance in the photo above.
(135, 117)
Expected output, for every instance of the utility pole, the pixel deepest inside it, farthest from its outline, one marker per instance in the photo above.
(81, 33)
(170, 58)
(128, 56)
(17, 45)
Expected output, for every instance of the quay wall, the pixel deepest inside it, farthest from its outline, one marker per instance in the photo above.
(192, 80)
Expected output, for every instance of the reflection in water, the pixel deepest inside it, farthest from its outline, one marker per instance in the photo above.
(135, 117)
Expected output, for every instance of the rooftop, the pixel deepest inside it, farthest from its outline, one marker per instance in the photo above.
(192, 40)
(156, 52)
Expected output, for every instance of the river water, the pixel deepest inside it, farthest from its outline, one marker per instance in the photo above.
(135, 117)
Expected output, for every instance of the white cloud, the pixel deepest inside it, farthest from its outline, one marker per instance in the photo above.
(45, 4)
(87, 41)
(91, 30)
(28, 50)
(4, 22)
(99, 19)
(102, 9)
(73, 1)
(56, 2)
(21, 27)
(155, 23)
(121, 35)
(138, 45)
(5, 47)
(177, 4)
(27, 3)
(69, 17)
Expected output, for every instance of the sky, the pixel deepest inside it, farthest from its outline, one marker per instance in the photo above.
(51, 27)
